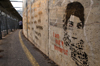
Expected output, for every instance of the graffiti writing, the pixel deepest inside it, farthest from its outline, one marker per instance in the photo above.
(39, 34)
(55, 35)
(59, 43)
(61, 50)
(35, 22)
(40, 12)
(73, 22)
(39, 27)
(36, 37)
(39, 20)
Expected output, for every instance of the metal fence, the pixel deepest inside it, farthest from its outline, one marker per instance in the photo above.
(8, 23)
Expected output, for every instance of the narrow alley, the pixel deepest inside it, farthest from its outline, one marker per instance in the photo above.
(49, 32)
(18, 51)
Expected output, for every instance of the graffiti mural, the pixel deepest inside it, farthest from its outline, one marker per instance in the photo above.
(73, 27)
(59, 44)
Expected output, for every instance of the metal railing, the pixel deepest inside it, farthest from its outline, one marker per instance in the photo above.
(7, 24)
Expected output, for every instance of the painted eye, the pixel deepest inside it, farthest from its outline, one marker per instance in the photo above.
(70, 24)
(79, 25)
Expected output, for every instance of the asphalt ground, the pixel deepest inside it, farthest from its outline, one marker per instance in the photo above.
(18, 51)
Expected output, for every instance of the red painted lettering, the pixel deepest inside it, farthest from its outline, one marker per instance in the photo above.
(61, 50)
(66, 52)
(55, 47)
(62, 43)
(57, 36)
(59, 42)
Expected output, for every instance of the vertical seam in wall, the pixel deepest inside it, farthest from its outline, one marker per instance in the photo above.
(27, 18)
(48, 29)
(85, 26)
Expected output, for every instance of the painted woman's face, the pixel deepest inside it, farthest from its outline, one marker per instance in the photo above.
(74, 27)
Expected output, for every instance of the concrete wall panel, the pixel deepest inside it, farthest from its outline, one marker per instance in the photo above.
(66, 30)
(38, 24)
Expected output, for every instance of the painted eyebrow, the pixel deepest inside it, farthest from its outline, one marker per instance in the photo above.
(71, 21)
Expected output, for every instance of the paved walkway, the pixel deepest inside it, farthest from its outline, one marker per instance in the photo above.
(18, 51)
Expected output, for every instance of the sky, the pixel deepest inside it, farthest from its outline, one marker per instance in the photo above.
(17, 5)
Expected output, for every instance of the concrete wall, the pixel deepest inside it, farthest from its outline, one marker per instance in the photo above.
(65, 30)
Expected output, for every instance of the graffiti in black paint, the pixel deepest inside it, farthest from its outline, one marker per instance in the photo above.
(39, 34)
(39, 27)
(36, 37)
(66, 39)
(74, 22)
